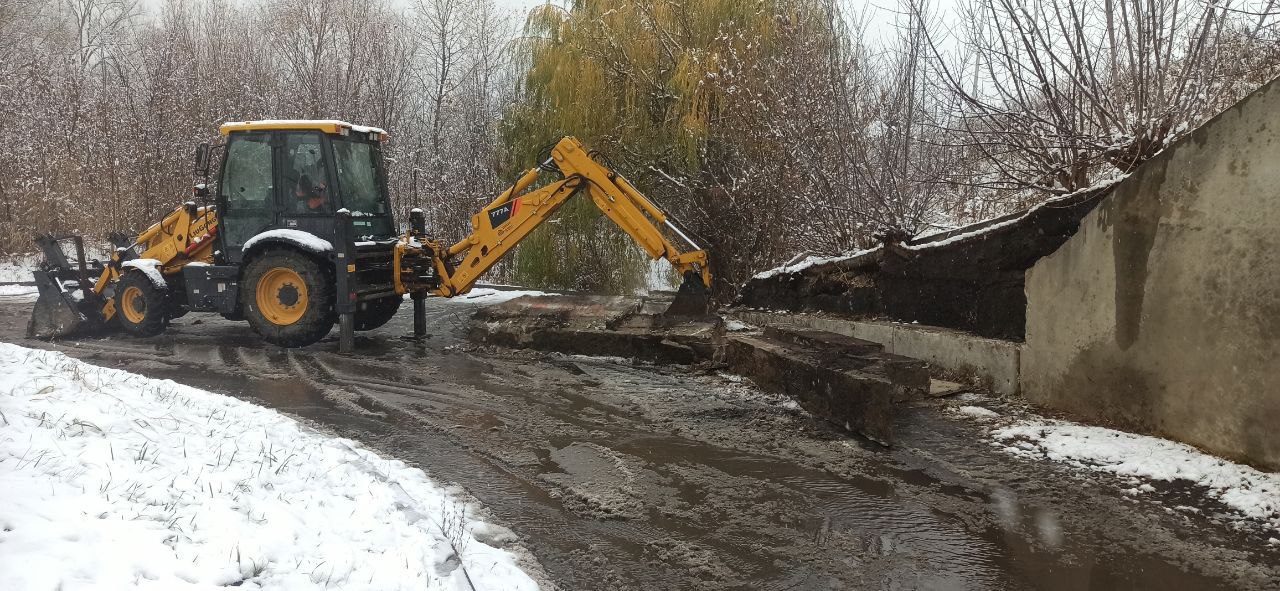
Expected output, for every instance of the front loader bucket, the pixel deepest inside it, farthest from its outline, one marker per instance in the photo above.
(57, 313)
(67, 303)
(692, 299)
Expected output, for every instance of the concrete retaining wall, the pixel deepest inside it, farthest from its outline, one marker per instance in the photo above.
(1162, 314)
(992, 363)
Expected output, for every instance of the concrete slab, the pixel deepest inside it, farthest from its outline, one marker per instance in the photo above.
(991, 363)
(860, 402)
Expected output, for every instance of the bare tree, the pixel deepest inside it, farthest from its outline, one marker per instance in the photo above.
(1057, 92)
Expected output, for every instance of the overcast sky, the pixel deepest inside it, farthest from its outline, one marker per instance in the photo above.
(879, 28)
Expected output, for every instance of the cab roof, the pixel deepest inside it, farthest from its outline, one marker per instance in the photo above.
(323, 125)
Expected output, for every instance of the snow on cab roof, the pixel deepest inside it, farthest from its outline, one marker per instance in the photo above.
(324, 125)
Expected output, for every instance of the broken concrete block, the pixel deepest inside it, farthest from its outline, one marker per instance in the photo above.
(857, 401)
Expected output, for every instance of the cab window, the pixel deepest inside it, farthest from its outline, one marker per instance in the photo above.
(246, 188)
(358, 178)
(306, 180)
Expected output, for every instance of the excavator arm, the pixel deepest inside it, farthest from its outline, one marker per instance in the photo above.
(514, 214)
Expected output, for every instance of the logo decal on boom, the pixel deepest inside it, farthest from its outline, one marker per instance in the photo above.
(499, 215)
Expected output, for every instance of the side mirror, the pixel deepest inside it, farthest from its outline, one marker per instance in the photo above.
(202, 159)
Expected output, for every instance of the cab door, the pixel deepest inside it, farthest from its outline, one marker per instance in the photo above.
(306, 188)
(246, 192)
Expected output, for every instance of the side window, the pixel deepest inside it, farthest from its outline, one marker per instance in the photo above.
(248, 190)
(248, 179)
(306, 179)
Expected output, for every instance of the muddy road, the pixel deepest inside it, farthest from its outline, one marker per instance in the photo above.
(622, 476)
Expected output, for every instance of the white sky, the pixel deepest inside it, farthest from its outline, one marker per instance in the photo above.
(880, 26)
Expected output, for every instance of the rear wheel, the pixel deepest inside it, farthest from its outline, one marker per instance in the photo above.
(141, 306)
(375, 313)
(288, 298)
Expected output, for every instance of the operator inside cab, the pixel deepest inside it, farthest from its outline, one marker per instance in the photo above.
(306, 167)
(310, 194)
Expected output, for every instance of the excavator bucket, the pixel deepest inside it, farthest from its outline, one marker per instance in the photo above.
(692, 299)
(62, 308)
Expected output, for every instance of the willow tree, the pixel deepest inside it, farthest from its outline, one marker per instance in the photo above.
(663, 90)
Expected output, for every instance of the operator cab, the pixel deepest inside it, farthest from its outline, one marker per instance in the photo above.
(295, 175)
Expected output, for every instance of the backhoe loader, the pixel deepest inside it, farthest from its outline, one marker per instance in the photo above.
(298, 234)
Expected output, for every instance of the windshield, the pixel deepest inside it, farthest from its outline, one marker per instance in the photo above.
(359, 183)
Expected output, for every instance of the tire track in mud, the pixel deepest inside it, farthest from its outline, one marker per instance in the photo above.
(637, 477)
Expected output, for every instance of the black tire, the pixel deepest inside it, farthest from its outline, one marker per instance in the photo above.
(148, 315)
(290, 314)
(375, 313)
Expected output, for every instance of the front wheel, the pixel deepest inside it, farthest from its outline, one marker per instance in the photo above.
(288, 298)
(141, 308)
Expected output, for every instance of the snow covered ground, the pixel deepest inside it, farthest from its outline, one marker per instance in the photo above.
(18, 291)
(18, 269)
(112, 480)
(1140, 459)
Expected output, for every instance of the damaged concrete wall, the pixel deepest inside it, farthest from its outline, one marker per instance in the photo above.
(970, 279)
(1162, 314)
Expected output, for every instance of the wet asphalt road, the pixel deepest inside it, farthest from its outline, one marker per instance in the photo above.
(622, 476)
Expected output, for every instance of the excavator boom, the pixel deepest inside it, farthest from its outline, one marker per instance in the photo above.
(518, 211)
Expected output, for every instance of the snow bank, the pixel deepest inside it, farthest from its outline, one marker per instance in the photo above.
(113, 480)
(1253, 493)
(305, 240)
(150, 268)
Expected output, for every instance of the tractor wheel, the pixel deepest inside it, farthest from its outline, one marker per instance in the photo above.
(375, 313)
(288, 298)
(141, 306)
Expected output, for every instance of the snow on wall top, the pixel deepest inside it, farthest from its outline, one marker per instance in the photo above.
(305, 240)
(943, 239)
(810, 261)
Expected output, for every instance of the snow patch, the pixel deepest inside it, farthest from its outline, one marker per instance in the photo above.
(299, 238)
(113, 480)
(978, 412)
(489, 296)
(150, 268)
(737, 325)
(1253, 493)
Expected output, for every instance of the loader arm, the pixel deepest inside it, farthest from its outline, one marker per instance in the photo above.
(74, 295)
(502, 224)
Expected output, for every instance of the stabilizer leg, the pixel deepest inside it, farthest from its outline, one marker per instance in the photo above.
(347, 332)
(419, 315)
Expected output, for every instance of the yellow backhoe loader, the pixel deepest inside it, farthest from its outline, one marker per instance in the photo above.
(298, 234)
